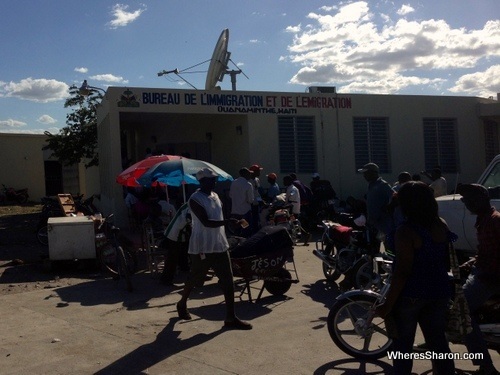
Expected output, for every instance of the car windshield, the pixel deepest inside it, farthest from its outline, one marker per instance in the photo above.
(493, 179)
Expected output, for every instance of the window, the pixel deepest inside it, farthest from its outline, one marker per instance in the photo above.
(371, 142)
(297, 146)
(440, 144)
(491, 140)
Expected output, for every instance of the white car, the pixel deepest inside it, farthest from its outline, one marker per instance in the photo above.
(459, 219)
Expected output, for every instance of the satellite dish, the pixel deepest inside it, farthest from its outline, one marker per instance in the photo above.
(218, 63)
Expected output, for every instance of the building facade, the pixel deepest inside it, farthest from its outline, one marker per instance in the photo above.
(23, 164)
(332, 134)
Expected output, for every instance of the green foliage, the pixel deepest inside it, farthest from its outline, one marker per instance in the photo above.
(77, 142)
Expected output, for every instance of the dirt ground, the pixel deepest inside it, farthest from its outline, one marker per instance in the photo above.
(22, 267)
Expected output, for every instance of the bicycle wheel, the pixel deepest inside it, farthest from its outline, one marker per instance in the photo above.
(108, 258)
(42, 235)
(348, 328)
(123, 267)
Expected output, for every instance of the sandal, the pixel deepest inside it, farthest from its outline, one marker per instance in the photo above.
(238, 324)
(183, 312)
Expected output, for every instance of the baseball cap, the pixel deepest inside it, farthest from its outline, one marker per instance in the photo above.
(256, 167)
(205, 173)
(272, 176)
(473, 191)
(370, 167)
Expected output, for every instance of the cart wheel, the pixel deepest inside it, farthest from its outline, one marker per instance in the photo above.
(278, 288)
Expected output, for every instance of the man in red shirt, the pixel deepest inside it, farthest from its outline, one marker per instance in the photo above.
(484, 279)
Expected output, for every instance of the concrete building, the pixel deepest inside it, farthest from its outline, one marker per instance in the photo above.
(23, 164)
(320, 131)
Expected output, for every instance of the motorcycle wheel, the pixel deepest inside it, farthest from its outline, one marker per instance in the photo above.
(363, 271)
(346, 326)
(281, 286)
(331, 272)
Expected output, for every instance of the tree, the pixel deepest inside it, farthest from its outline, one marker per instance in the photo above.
(77, 142)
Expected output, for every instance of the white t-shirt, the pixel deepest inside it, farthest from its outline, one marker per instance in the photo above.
(167, 211)
(439, 186)
(241, 194)
(293, 197)
(203, 239)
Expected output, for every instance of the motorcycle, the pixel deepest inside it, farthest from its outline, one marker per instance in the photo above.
(347, 250)
(279, 214)
(359, 332)
(10, 194)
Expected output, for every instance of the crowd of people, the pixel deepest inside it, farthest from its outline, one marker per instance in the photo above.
(407, 221)
(405, 217)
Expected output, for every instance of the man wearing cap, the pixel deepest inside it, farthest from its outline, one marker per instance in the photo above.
(242, 195)
(378, 198)
(269, 197)
(257, 200)
(273, 189)
(484, 279)
(208, 248)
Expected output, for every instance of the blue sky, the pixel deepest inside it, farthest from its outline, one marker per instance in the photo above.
(424, 47)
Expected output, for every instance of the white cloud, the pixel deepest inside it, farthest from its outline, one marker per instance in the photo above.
(30, 131)
(482, 84)
(405, 9)
(11, 124)
(111, 78)
(293, 29)
(328, 8)
(37, 90)
(46, 119)
(121, 17)
(81, 70)
(349, 49)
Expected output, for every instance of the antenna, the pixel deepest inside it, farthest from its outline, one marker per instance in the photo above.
(176, 72)
(163, 72)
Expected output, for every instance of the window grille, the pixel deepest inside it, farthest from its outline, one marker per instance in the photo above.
(440, 144)
(297, 146)
(371, 142)
(491, 140)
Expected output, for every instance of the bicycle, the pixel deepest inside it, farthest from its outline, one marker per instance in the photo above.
(111, 255)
